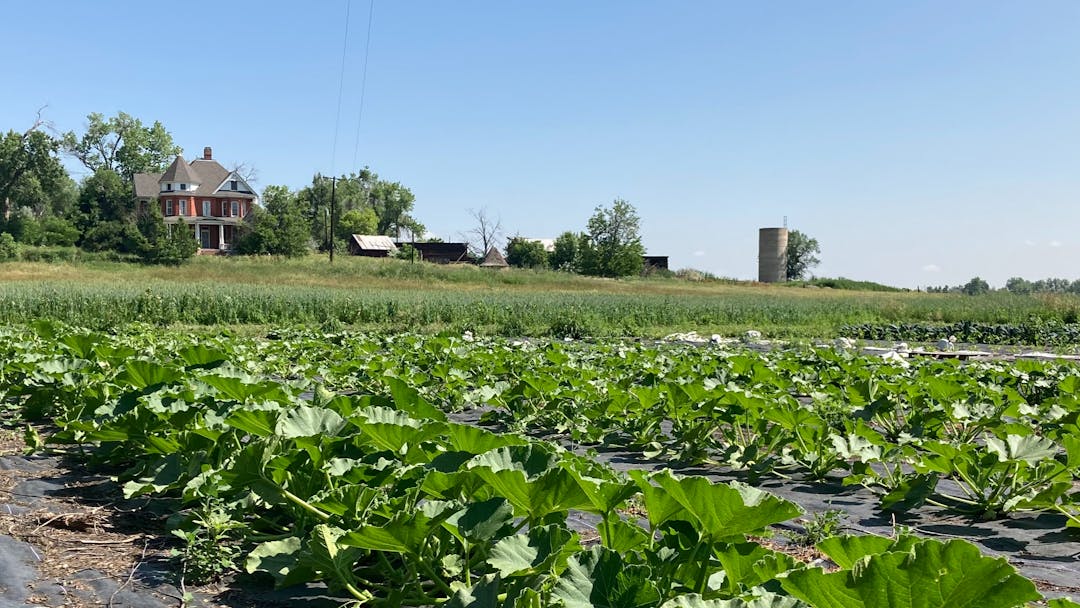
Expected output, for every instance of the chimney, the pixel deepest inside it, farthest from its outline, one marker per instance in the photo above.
(207, 153)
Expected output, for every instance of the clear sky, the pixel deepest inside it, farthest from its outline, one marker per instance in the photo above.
(921, 142)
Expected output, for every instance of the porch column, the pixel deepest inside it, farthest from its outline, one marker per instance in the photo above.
(221, 236)
(198, 234)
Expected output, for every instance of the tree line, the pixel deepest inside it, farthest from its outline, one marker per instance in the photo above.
(41, 205)
(1018, 285)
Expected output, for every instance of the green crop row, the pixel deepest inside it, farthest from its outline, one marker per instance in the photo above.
(379, 494)
(789, 313)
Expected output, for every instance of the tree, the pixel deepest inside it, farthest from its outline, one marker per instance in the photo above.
(122, 144)
(170, 246)
(613, 246)
(281, 227)
(391, 203)
(1018, 285)
(31, 174)
(357, 221)
(485, 233)
(105, 212)
(975, 286)
(524, 253)
(565, 255)
(802, 252)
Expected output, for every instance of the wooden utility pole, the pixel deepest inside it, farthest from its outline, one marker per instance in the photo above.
(333, 215)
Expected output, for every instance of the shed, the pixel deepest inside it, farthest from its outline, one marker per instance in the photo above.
(656, 262)
(440, 253)
(494, 259)
(372, 245)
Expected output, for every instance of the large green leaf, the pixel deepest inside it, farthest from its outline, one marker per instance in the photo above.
(483, 521)
(304, 421)
(931, 575)
(1028, 448)
(721, 510)
(846, 550)
(538, 552)
(484, 594)
(408, 399)
(600, 578)
(403, 534)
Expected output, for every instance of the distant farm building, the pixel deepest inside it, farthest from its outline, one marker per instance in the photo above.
(202, 197)
(494, 259)
(772, 255)
(440, 253)
(655, 262)
(372, 245)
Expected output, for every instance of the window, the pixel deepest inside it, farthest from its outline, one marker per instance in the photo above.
(183, 186)
(168, 206)
(168, 187)
(182, 203)
(232, 184)
(206, 208)
(235, 208)
(224, 208)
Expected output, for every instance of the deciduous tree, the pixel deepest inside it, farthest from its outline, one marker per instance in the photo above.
(612, 247)
(122, 144)
(802, 252)
(525, 253)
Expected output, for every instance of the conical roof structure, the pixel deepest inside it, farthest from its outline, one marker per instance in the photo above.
(494, 259)
(179, 171)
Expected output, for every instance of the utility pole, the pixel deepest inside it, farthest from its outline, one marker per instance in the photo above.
(333, 215)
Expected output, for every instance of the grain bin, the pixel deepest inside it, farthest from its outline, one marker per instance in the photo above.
(772, 255)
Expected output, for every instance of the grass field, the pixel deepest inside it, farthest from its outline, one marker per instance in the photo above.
(393, 295)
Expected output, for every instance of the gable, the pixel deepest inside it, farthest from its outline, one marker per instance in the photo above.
(233, 179)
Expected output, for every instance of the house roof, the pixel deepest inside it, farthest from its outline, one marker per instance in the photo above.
(179, 171)
(374, 242)
(494, 259)
(208, 174)
(147, 185)
(212, 174)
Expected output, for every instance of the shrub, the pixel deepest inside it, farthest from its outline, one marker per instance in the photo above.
(8, 249)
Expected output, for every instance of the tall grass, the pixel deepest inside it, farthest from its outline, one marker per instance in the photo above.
(97, 303)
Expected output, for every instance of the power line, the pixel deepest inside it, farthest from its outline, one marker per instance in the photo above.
(341, 88)
(363, 83)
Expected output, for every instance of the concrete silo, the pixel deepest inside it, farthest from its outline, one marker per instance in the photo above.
(772, 255)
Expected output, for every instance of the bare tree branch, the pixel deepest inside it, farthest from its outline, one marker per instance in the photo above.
(486, 233)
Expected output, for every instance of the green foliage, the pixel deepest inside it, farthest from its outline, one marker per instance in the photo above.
(975, 287)
(357, 221)
(613, 245)
(165, 245)
(565, 256)
(105, 213)
(390, 203)
(379, 495)
(802, 252)
(818, 527)
(280, 227)
(122, 144)
(842, 283)
(9, 249)
(524, 253)
(31, 175)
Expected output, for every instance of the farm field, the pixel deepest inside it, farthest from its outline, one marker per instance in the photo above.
(391, 295)
(405, 469)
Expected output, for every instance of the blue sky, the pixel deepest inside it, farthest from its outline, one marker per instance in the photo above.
(922, 143)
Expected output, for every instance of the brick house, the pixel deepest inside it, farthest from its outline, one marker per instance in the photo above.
(207, 199)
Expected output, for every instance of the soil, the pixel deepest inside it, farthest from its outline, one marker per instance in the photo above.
(69, 538)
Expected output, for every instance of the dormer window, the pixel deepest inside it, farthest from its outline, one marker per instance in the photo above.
(183, 186)
(168, 187)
